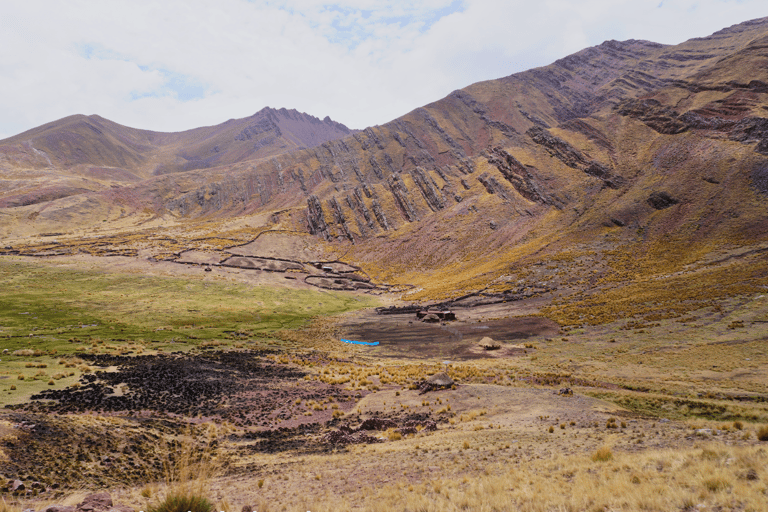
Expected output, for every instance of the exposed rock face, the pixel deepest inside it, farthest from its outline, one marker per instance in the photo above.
(660, 117)
(750, 130)
(316, 219)
(521, 177)
(340, 218)
(428, 189)
(379, 213)
(400, 193)
(662, 200)
(492, 186)
(760, 178)
(572, 157)
(434, 168)
(558, 148)
(730, 115)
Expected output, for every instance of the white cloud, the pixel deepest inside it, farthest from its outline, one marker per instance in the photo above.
(180, 64)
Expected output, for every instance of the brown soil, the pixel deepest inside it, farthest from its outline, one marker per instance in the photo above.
(406, 336)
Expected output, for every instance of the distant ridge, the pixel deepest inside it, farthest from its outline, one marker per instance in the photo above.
(626, 142)
(82, 153)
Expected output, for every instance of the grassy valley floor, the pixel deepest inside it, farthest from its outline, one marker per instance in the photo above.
(141, 378)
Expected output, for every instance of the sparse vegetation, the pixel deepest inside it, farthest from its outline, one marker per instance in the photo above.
(183, 503)
(632, 379)
(604, 454)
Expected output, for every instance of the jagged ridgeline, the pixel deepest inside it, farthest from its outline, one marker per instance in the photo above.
(632, 139)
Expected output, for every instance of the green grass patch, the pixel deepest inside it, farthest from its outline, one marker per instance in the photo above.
(48, 311)
(679, 408)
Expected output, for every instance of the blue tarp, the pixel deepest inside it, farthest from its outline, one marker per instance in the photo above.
(370, 344)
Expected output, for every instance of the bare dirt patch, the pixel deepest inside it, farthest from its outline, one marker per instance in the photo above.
(283, 245)
(406, 336)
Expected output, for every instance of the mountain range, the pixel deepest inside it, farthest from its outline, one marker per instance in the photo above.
(627, 142)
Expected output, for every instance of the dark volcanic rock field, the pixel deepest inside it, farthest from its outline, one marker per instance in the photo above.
(243, 388)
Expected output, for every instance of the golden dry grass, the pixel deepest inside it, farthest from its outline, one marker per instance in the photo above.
(707, 478)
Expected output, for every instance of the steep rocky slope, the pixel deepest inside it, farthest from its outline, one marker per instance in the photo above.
(626, 142)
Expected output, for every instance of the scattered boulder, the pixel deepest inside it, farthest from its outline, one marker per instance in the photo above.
(58, 508)
(440, 314)
(662, 200)
(16, 486)
(99, 502)
(121, 508)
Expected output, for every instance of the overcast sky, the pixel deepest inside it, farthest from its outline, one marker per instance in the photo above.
(172, 65)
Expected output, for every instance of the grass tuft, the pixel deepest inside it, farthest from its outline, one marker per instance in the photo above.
(602, 455)
(183, 503)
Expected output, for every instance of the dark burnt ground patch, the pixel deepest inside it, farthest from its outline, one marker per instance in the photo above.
(335, 433)
(245, 388)
(405, 336)
(125, 425)
(51, 452)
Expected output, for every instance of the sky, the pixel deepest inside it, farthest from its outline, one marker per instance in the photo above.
(173, 65)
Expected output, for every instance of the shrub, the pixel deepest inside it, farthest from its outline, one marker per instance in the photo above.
(602, 455)
(183, 503)
(762, 434)
(715, 484)
(738, 425)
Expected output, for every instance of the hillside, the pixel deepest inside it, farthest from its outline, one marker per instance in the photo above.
(624, 143)
(543, 292)
(79, 153)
